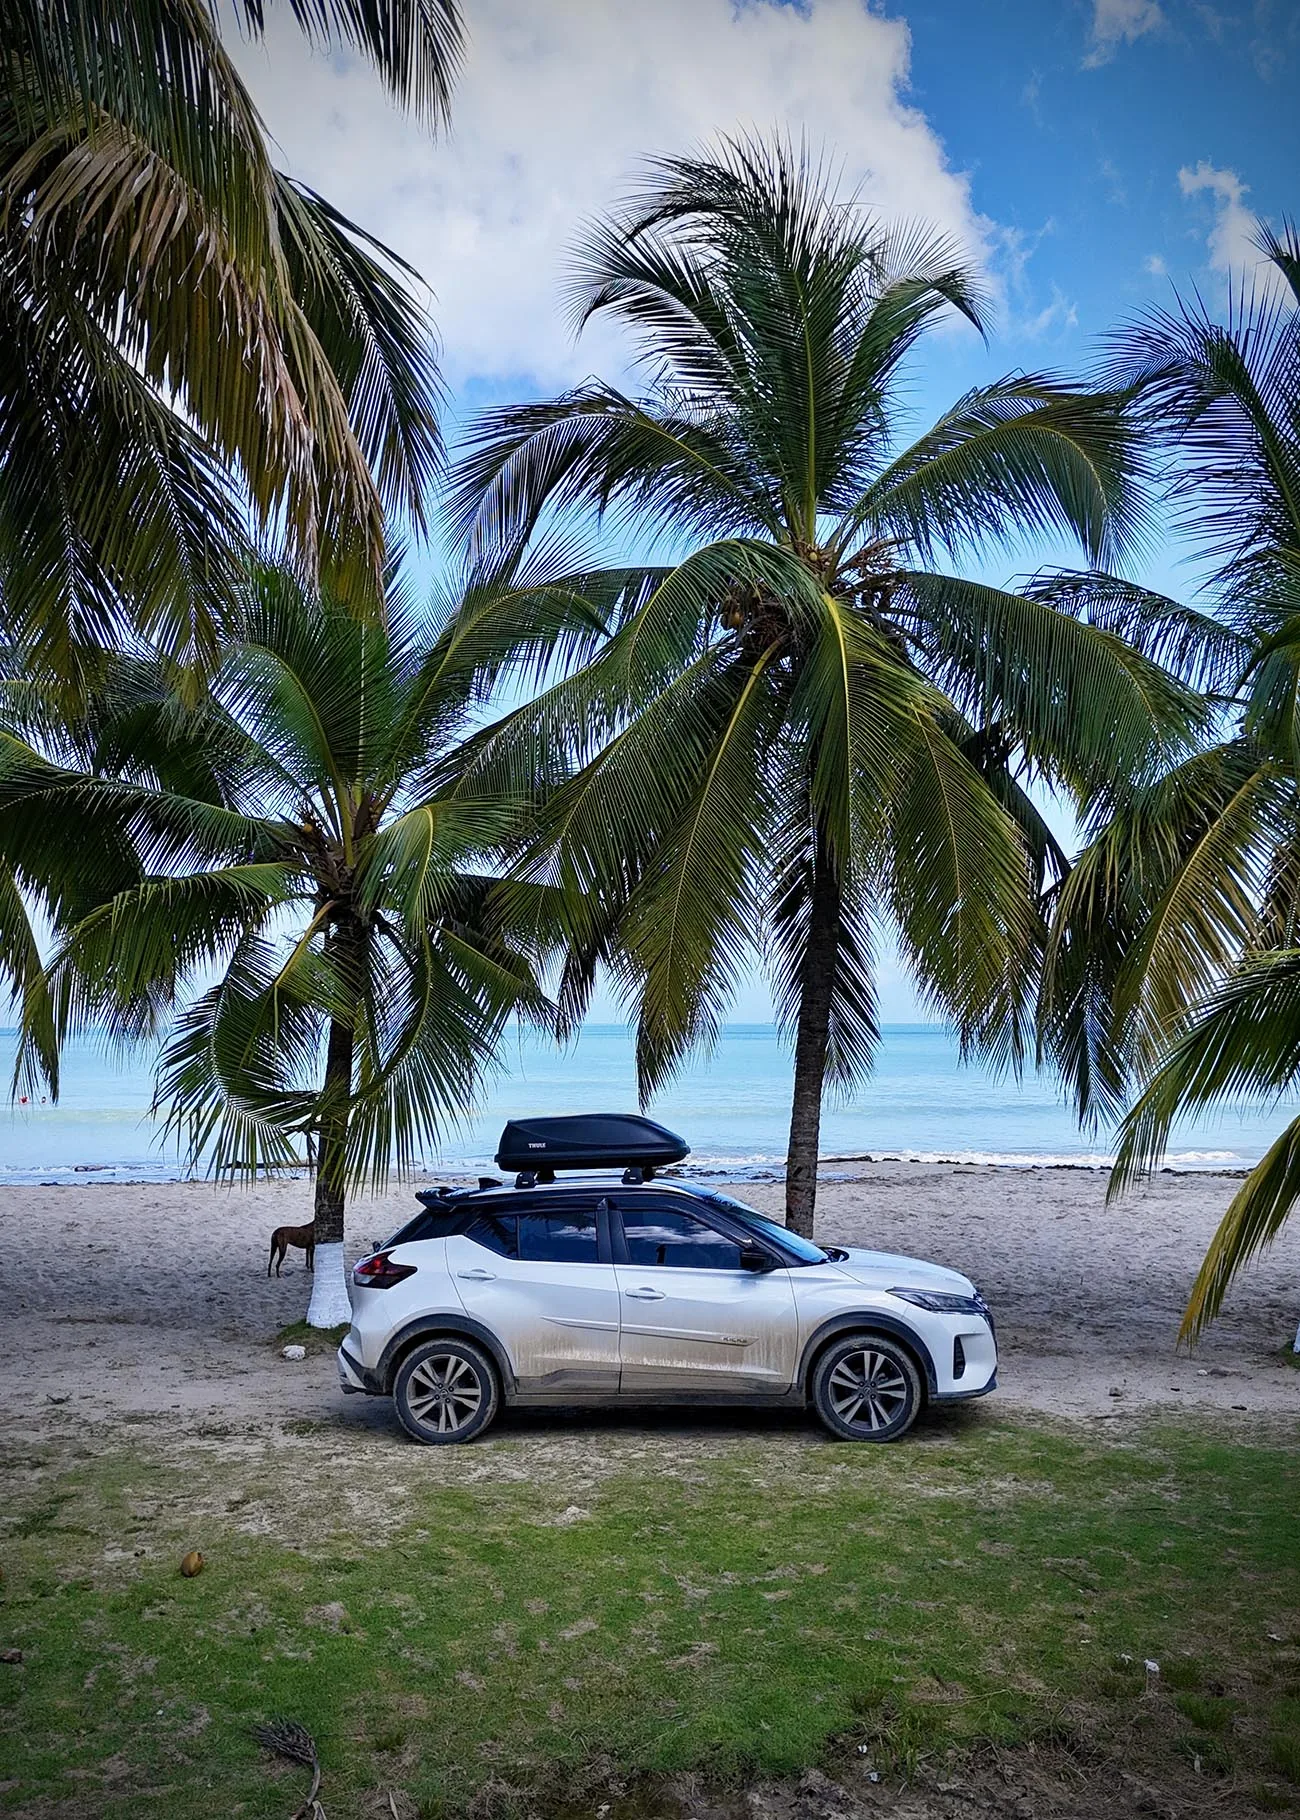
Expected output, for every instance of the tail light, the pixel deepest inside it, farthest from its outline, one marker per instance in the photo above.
(381, 1271)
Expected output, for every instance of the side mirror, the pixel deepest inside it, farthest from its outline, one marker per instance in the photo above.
(757, 1257)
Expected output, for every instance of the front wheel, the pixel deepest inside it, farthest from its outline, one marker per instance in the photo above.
(866, 1387)
(446, 1391)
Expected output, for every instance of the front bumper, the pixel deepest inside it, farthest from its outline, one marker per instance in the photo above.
(965, 1396)
(963, 1353)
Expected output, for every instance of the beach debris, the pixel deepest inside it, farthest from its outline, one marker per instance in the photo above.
(294, 1352)
(11, 1655)
(1114, 1391)
(286, 1738)
(192, 1564)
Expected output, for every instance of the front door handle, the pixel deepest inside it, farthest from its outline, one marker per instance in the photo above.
(478, 1276)
(645, 1295)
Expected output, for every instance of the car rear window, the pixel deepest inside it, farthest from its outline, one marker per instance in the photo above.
(561, 1237)
(497, 1232)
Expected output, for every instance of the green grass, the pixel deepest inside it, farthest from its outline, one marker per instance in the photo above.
(746, 1607)
(315, 1339)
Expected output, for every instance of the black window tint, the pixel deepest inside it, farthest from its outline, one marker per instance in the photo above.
(665, 1235)
(419, 1226)
(565, 1236)
(498, 1232)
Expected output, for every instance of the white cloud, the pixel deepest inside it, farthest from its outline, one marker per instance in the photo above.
(1116, 22)
(1155, 265)
(1230, 240)
(556, 106)
(1055, 320)
(1024, 319)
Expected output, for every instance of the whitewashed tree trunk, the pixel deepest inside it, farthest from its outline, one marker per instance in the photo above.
(329, 1305)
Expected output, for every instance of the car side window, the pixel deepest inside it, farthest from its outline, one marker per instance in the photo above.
(559, 1236)
(497, 1232)
(663, 1235)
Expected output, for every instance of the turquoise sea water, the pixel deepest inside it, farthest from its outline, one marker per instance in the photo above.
(731, 1107)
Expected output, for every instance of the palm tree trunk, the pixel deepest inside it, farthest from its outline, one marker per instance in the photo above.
(812, 1035)
(330, 1306)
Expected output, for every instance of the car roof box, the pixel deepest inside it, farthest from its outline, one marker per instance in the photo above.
(589, 1140)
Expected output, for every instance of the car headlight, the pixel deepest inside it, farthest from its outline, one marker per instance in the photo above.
(939, 1302)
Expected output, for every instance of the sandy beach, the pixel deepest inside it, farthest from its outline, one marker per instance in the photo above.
(151, 1303)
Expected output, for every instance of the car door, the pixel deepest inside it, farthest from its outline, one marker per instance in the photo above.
(693, 1320)
(538, 1275)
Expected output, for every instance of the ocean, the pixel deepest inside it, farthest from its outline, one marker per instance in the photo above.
(732, 1107)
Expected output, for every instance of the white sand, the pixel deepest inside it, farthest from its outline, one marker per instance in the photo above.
(121, 1303)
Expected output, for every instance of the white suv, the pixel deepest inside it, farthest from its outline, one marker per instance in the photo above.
(629, 1289)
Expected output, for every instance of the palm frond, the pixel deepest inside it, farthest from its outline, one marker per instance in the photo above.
(690, 923)
(1243, 1043)
(415, 45)
(1084, 706)
(1152, 914)
(1025, 456)
(1255, 1216)
(958, 891)
(1197, 647)
(853, 1036)
(22, 971)
(597, 449)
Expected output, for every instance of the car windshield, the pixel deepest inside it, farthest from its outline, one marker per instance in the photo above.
(803, 1249)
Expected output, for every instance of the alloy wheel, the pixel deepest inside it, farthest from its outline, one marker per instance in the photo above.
(444, 1392)
(867, 1389)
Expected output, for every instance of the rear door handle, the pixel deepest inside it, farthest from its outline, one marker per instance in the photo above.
(645, 1295)
(478, 1276)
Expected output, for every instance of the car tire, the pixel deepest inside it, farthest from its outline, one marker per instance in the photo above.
(446, 1391)
(866, 1387)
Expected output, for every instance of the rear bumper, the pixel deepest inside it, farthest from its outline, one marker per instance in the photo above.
(354, 1378)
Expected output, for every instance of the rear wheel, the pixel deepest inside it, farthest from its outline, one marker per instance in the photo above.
(446, 1391)
(866, 1387)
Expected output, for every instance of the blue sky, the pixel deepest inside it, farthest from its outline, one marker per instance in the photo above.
(1088, 153)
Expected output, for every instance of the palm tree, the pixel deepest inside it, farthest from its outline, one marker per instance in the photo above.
(1193, 987)
(185, 333)
(290, 881)
(804, 730)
